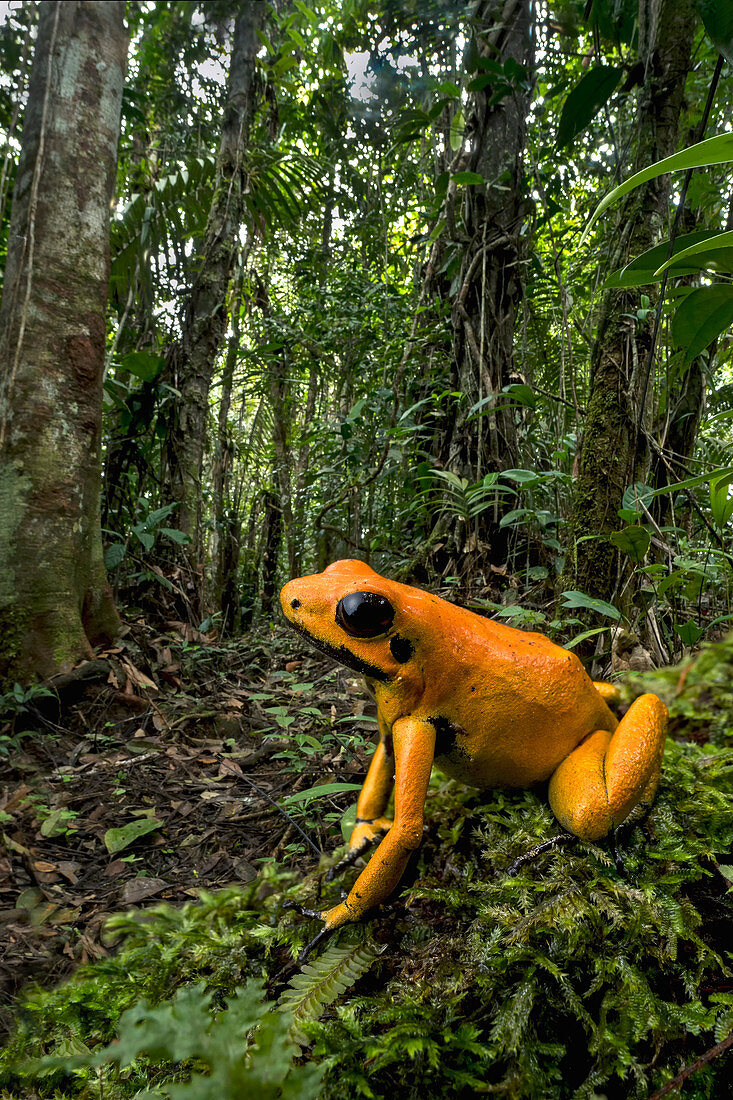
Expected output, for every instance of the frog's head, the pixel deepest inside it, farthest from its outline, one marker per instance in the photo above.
(354, 615)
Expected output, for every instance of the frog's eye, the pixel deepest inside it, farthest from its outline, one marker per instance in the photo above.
(364, 614)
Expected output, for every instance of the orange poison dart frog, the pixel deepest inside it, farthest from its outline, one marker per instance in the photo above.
(490, 705)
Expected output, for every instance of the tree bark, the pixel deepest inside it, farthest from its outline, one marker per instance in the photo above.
(55, 602)
(489, 223)
(614, 452)
(193, 360)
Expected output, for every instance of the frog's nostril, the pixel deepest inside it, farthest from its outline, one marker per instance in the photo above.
(295, 604)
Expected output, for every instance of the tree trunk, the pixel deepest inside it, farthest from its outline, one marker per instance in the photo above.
(192, 362)
(614, 453)
(55, 602)
(489, 286)
(226, 518)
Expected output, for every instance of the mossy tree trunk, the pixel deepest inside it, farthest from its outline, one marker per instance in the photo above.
(55, 602)
(613, 452)
(191, 363)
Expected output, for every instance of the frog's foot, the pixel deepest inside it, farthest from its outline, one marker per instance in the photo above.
(364, 835)
(527, 857)
(332, 919)
(598, 785)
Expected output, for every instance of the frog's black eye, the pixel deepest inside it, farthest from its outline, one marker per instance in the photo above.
(364, 614)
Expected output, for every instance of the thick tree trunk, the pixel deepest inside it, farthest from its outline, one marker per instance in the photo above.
(489, 223)
(55, 602)
(192, 362)
(614, 453)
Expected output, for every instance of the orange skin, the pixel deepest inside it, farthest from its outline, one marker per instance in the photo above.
(490, 705)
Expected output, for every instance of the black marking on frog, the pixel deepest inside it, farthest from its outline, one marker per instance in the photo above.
(343, 655)
(401, 648)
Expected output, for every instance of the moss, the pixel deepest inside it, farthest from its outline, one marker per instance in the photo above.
(565, 980)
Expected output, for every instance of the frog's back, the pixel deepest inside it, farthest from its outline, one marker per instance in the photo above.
(508, 704)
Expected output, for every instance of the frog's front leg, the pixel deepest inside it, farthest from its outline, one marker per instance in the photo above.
(596, 787)
(374, 796)
(414, 748)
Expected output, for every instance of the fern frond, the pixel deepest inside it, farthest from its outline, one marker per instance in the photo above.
(321, 982)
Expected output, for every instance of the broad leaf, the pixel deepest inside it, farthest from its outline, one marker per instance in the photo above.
(143, 364)
(468, 178)
(584, 102)
(715, 150)
(717, 15)
(117, 839)
(721, 503)
(645, 268)
(114, 554)
(633, 541)
(636, 495)
(702, 316)
(716, 250)
(320, 792)
(688, 632)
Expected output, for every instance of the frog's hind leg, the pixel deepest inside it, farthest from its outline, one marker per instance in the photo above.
(597, 786)
(609, 693)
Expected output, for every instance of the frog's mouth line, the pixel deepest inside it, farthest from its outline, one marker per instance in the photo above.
(341, 654)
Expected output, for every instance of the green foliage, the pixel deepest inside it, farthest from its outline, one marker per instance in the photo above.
(714, 150)
(246, 1047)
(321, 982)
(590, 94)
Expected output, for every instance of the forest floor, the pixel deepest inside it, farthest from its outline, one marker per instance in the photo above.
(155, 785)
(184, 766)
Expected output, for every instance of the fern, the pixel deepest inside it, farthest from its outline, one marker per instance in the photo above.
(247, 1047)
(321, 982)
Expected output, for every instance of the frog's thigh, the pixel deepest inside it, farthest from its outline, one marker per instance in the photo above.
(599, 783)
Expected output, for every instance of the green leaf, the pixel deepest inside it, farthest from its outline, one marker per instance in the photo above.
(117, 839)
(114, 554)
(143, 364)
(715, 150)
(721, 503)
(720, 244)
(348, 821)
(717, 16)
(579, 599)
(175, 536)
(584, 634)
(689, 632)
(636, 495)
(584, 102)
(701, 318)
(633, 541)
(694, 482)
(320, 792)
(521, 393)
(468, 178)
(645, 268)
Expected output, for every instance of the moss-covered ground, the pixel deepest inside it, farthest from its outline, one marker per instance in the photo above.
(571, 978)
